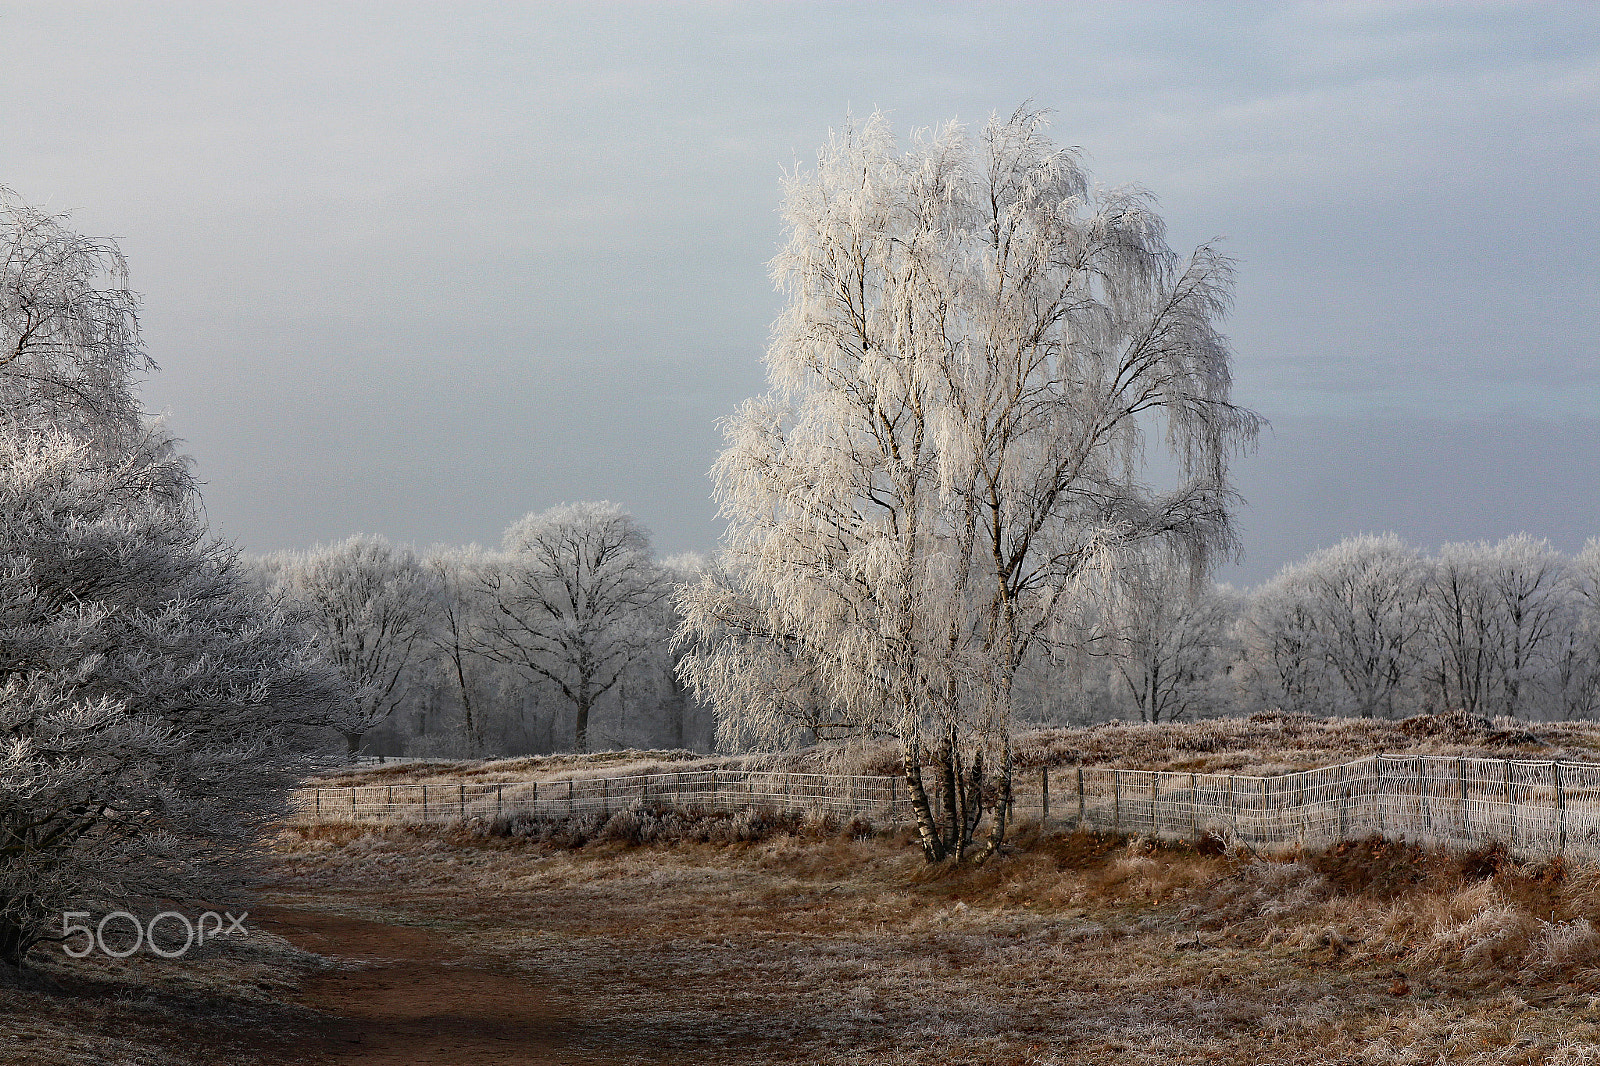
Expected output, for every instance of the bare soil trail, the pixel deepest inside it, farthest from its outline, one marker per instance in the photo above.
(394, 1000)
(405, 996)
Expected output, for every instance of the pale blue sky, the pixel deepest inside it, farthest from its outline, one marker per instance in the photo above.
(421, 269)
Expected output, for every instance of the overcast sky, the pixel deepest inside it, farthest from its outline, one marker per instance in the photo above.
(419, 270)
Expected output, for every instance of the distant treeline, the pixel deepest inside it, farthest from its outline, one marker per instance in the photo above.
(559, 641)
(562, 639)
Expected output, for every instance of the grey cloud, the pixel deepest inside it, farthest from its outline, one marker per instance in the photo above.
(420, 269)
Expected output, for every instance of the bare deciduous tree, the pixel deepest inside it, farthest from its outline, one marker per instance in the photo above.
(370, 606)
(1531, 591)
(1494, 613)
(570, 601)
(1578, 653)
(1284, 666)
(458, 579)
(1168, 640)
(1341, 631)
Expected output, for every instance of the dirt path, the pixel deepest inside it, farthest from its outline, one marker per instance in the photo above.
(400, 1002)
(405, 996)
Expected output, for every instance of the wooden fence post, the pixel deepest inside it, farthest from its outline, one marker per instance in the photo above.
(1044, 794)
(572, 806)
(605, 796)
(500, 800)
(1378, 794)
(1116, 801)
(1266, 805)
(1299, 803)
(461, 798)
(1511, 799)
(388, 801)
(1194, 809)
(1427, 794)
(424, 803)
(1155, 802)
(533, 798)
(1342, 791)
(319, 804)
(1561, 808)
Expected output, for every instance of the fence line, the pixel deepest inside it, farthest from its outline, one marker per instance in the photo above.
(878, 798)
(1533, 807)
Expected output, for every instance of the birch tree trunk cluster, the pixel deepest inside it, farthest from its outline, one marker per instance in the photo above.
(153, 706)
(976, 350)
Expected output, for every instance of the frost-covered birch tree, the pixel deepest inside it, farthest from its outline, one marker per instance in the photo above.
(976, 349)
(570, 601)
(676, 702)
(69, 331)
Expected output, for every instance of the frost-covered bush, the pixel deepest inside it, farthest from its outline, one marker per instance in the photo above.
(151, 706)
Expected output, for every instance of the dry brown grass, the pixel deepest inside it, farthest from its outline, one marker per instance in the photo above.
(1066, 949)
(521, 768)
(1281, 743)
(826, 759)
(230, 1001)
(652, 937)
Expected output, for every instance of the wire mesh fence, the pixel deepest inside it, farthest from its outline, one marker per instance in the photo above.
(879, 799)
(1533, 808)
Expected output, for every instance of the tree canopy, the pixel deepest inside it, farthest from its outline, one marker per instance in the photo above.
(153, 707)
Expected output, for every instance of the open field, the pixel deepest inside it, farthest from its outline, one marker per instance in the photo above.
(810, 945)
(1258, 744)
(660, 937)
